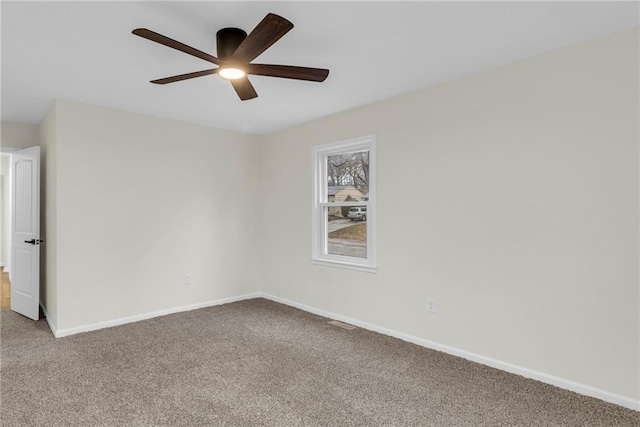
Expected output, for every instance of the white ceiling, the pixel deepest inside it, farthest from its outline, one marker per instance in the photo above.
(375, 50)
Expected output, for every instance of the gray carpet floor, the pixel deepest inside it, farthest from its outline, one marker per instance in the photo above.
(259, 363)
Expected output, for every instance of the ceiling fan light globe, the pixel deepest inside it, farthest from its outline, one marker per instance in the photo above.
(231, 73)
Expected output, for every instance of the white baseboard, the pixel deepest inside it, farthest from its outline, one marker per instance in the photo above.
(584, 389)
(59, 333)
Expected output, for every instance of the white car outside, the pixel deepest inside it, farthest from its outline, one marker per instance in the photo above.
(359, 212)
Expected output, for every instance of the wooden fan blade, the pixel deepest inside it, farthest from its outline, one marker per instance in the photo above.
(244, 88)
(185, 76)
(288, 72)
(266, 33)
(163, 40)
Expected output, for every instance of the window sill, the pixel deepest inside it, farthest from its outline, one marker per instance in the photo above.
(344, 265)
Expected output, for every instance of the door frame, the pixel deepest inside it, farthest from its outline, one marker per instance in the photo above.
(8, 194)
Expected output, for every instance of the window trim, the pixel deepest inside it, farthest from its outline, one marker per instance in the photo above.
(319, 203)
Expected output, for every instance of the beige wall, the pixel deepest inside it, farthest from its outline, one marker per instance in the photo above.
(19, 135)
(526, 181)
(141, 202)
(49, 215)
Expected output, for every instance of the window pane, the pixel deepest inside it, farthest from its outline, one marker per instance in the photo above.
(347, 231)
(348, 177)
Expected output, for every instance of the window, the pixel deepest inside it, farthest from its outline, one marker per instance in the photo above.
(344, 200)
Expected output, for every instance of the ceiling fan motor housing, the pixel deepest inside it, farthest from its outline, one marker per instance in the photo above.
(228, 40)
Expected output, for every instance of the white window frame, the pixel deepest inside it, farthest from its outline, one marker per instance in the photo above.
(319, 253)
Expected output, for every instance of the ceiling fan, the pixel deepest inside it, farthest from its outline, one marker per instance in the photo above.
(235, 51)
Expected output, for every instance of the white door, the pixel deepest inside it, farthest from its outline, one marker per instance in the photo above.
(25, 232)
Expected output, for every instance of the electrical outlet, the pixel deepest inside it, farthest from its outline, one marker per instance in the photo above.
(187, 279)
(432, 306)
